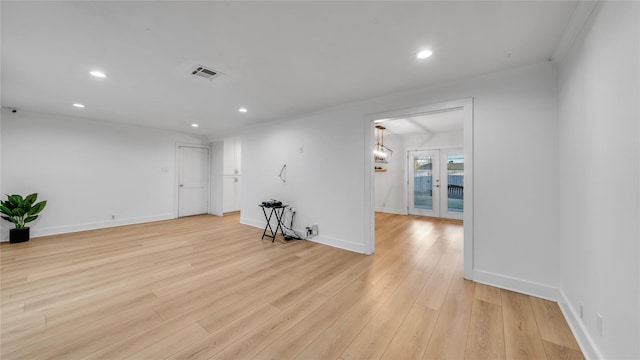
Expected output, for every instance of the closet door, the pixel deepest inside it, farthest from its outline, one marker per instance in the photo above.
(193, 177)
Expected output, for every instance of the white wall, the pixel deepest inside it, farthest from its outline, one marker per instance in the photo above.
(599, 166)
(515, 137)
(390, 189)
(389, 186)
(88, 170)
(324, 173)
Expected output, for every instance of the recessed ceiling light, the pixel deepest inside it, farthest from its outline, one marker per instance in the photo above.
(78, 105)
(243, 110)
(194, 125)
(98, 74)
(424, 54)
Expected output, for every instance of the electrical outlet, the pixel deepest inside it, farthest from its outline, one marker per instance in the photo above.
(314, 230)
(581, 311)
(293, 210)
(600, 324)
(308, 231)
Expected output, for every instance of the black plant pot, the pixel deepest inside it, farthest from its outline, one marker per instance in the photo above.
(18, 235)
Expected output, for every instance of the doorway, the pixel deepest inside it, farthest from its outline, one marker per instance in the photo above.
(436, 183)
(193, 180)
(466, 106)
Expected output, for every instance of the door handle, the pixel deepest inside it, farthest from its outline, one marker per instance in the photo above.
(181, 185)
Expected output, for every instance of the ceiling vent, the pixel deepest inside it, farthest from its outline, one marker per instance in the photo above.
(203, 72)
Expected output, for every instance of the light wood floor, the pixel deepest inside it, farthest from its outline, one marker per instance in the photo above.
(208, 288)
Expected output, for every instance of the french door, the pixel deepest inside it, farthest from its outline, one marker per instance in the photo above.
(424, 183)
(436, 183)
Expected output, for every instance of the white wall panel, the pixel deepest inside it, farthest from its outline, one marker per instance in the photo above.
(89, 171)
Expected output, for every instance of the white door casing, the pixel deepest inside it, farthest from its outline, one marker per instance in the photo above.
(368, 206)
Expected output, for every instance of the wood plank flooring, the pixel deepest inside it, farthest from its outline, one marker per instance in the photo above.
(207, 287)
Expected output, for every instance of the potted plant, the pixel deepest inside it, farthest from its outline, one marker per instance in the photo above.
(20, 211)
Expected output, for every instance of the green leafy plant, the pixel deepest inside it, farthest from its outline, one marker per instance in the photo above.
(21, 210)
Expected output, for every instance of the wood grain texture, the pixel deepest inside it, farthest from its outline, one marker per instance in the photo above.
(449, 337)
(207, 287)
(372, 340)
(486, 333)
(551, 323)
(412, 337)
(522, 338)
(555, 351)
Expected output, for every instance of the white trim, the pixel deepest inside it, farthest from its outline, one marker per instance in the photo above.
(339, 243)
(369, 233)
(586, 343)
(518, 285)
(369, 191)
(578, 19)
(320, 239)
(252, 222)
(468, 188)
(55, 230)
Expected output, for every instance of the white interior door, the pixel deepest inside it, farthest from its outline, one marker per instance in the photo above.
(231, 195)
(424, 183)
(193, 180)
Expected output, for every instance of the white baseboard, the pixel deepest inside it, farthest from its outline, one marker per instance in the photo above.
(587, 345)
(320, 239)
(55, 230)
(518, 285)
(252, 222)
(391, 211)
(339, 243)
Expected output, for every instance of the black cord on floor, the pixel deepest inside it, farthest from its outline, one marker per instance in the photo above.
(295, 235)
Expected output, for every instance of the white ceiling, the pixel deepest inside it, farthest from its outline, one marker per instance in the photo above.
(435, 122)
(279, 58)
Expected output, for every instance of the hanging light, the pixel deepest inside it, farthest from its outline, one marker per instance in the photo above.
(380, 150)
(379, 153)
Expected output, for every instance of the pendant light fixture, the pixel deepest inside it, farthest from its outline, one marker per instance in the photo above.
(380, 151)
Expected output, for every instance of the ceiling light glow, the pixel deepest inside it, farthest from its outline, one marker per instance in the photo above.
(79, 106)
(98, 74)
(242, 110)
(194, 125)
(424, 54)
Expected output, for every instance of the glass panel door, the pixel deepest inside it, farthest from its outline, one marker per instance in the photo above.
(424, 183)
(453, 184)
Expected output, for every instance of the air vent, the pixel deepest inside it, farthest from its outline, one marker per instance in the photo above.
(203, 72)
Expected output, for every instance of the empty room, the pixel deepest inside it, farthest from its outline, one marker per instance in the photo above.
(320, 180)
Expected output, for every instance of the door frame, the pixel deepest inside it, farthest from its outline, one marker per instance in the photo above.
(176, 179)
(369, 189)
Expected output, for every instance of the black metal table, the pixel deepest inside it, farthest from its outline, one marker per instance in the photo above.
(279, 212)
